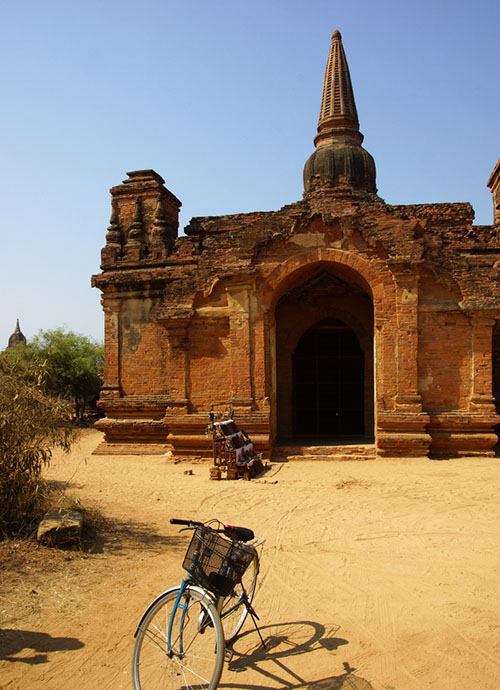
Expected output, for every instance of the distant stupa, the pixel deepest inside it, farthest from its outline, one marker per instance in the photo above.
(17, 337)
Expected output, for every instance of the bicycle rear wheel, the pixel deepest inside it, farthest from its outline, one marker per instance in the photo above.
(197, 645)
(233, 610)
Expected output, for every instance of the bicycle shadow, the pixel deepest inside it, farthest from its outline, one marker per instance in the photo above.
(12, 642)
(285, 640)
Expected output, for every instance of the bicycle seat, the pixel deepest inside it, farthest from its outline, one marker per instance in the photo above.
(238, 533)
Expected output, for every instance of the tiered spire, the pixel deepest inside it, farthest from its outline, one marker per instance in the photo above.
(160, 239)
(339, 162)
(338, 114)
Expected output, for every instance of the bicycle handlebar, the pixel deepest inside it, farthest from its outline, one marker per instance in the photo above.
(237, 533)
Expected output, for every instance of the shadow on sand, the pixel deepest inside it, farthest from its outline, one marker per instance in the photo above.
(12, 642)
(284, 641)
(118, 536)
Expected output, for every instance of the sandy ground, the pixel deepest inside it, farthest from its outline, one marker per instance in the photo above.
(376, 575)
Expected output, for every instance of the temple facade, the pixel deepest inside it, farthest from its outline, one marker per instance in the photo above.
(336, 321)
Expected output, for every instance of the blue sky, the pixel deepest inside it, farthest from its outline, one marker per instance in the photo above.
(221, 98)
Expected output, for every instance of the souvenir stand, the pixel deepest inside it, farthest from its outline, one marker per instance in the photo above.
(233, 452)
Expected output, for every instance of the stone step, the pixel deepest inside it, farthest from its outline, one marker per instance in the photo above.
(358, 451)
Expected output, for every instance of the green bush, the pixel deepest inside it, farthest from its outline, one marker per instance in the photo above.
(32, 422)
(74, 364)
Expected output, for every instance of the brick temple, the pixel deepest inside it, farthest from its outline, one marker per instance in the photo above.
(337, 320)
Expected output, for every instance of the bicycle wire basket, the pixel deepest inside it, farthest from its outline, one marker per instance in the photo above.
(216, 563)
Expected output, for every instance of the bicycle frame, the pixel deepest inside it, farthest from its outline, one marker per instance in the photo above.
(187, 583)
(215, 600)
(219, 602)
(178, 605)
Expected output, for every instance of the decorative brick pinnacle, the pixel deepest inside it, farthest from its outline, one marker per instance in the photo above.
(114, 234)
(136, 229)
(338, 116)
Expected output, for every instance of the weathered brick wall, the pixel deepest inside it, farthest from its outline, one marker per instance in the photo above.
(444, 360)
(209, 365)
(496, 364)
(214, 317)
(143, 349)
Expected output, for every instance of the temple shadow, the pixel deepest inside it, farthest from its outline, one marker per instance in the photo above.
(101, 533)
(12, 642)
(60, 486)
(119, 536)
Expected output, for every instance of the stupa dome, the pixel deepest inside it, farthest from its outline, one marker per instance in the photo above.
(339, 162)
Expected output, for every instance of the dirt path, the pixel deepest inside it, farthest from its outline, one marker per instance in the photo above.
(376, 575)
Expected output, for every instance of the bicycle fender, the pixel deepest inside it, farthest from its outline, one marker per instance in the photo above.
(192, 588)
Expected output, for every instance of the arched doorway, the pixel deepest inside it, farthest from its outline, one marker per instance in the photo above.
(324, 359)
(328, 383)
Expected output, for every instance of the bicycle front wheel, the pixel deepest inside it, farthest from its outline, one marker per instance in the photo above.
(233, 610)
(196, 655)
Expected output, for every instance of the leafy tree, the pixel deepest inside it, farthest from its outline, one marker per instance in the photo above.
(74, 364)
(32, 422)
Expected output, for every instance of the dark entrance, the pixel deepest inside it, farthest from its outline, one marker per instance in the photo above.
(328, 382)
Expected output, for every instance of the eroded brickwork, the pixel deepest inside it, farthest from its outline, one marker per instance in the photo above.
(218, 322)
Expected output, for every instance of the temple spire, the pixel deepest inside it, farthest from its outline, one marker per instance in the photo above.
(17, 337)
(339, 163)
(338, 117)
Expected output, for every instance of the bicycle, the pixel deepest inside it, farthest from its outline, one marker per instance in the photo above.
(180, 641)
